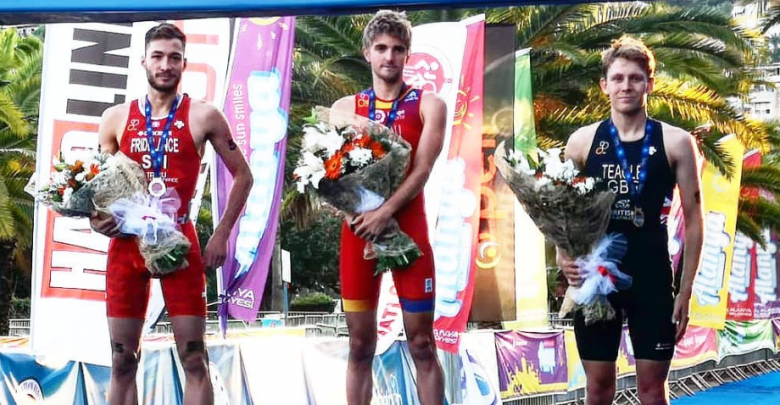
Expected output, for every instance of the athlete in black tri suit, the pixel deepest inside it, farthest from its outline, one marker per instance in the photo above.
(641, 160)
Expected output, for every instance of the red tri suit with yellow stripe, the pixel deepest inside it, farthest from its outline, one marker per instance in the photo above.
(416, 284)
(127, 279)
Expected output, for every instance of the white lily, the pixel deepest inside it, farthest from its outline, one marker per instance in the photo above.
(360, 156)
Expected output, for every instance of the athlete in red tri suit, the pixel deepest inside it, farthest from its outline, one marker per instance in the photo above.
(179, 128)
(420, 118)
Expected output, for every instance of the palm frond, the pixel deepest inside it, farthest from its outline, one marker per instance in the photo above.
(765, 177)
(750, 228)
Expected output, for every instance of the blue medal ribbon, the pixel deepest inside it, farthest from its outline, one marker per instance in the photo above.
(635, 190)
(393, 111)
(158, 153)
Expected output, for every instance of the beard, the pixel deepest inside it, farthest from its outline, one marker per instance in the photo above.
(163, 88)
(390, 77)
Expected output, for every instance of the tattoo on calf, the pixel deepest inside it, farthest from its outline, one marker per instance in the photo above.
(232, 144)
(697, 196)
(119, 348)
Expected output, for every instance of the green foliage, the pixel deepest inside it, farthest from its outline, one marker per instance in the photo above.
(316, 302)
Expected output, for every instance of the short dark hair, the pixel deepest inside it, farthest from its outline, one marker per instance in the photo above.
(165, 31)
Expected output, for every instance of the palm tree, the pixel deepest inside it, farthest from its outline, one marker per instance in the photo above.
(20, 83)
(703, 59)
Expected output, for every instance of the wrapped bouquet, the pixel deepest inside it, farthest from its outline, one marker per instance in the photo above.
(116, 185)
(354, 165)
(573, 212)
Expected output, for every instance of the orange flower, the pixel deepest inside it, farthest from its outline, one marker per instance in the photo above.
(61, 191)
(333, 166)
(348, 147)
(377, 150)
(77, 167)
(94, 170)
(72, 183)
(363, 141)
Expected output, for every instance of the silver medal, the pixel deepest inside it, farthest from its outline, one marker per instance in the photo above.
(157, 187)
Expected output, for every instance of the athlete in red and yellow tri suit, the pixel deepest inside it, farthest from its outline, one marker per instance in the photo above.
(127, 279)
(416, 284)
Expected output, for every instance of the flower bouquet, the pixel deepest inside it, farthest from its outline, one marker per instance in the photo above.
(354, 165)
(573, 212)
(116, 185)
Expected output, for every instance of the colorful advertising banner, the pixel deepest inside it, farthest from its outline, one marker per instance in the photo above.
(573, 362)
(626, 363)
(776, 330)
(531, 363)
(745, 337)
(88, 68)
(697, 346)
(25, 381)
(742, 295)
(454, 242)
(494, 263)
(530, 266)
(720, 196)
(434, 66)
(258, 98)
(767, 302)
(743, 270)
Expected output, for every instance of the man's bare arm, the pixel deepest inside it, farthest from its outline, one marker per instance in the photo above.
(107, 131)
(681, 149)
(687, 175)
(221, 138)
(434, 113)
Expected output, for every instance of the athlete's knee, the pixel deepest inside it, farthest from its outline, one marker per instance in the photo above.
(194, 359)
(124, 362)
(652, 392)
(600, 390)
(361, 347)
(421, 347)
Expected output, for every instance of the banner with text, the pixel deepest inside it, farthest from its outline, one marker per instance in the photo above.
(742, 279)
(697, 346)
(88, 68)
(720, 197)
(256, 106)
(531, 363)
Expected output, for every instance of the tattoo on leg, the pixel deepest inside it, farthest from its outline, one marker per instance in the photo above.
(697, 196)
(119, 348)
(232, 144)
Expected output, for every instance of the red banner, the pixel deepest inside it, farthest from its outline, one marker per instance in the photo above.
(742, 294)
(464, 156)
(697, 346)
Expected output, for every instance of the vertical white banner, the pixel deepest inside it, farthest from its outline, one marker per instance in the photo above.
(434, 65)
(88, 68)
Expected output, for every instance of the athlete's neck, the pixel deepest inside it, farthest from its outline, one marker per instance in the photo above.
(161, 102)
(631, 127)
(385, 90)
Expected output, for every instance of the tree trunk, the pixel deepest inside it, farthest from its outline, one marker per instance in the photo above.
(277, 289)
(7, 249)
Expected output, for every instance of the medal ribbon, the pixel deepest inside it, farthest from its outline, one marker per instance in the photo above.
(158, 153)
(634, 190)
(393, 111)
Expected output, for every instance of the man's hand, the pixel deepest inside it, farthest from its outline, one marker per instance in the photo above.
(216, 251)
(105, 224)
(570, 270)
(680, 314)
(370, 225)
